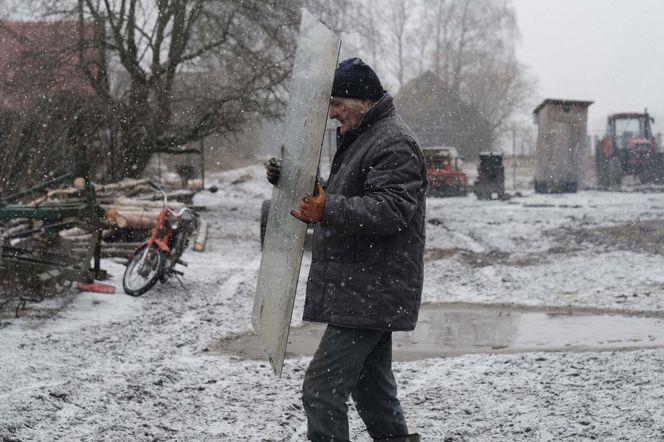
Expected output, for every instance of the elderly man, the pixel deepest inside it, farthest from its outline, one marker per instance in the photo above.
(367, 260)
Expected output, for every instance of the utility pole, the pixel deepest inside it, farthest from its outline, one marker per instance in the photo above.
(202, 165)
(513, 158)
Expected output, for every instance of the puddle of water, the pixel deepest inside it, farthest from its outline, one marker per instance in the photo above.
(451, 330)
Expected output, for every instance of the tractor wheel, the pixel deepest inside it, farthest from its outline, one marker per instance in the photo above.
(648, 173)
(658, 169)
(613, 172)
(481, 192)
(600, 163)
(645, 177)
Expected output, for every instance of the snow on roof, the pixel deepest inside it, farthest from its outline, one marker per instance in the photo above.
(562, 102)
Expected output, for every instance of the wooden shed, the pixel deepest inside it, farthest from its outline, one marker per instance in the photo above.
(561, 144)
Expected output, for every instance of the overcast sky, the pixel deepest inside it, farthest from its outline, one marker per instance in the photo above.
(607, 51)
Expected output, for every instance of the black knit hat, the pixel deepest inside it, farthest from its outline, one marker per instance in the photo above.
(355, 79)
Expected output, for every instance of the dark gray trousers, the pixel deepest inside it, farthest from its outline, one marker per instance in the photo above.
(358, 363)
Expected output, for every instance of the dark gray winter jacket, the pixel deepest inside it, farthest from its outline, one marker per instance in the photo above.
(367, 261)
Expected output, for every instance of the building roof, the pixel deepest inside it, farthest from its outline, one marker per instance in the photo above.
(562, 102)
(38, 58)
(439, 117)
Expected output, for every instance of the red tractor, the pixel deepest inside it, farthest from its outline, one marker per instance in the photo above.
(444, 172)
(628, 148)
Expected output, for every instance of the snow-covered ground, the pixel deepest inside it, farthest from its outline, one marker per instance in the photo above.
(116, 368)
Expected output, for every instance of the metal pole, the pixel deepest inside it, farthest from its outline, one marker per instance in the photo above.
(513, 158)
(202, 165)
(111, 136)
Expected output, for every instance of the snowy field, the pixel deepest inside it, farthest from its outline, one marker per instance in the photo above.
(97, 367)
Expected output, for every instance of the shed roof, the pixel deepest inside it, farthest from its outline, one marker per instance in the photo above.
(562, 102)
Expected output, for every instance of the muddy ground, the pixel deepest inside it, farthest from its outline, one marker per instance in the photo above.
(96, 367)
(639, 236)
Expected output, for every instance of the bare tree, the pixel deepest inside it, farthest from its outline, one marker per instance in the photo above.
(213, 65)
(335, 14)
(367, 28)
(177, 71)
(463, 31)
(468, 44)
(473, 52)
(397, 15)
(437, 23)
(421, 42)
(57, 135)
(497, 91)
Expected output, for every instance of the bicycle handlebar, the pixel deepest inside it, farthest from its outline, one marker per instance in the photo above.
(165, 199)
(180, 212)
(163, 194)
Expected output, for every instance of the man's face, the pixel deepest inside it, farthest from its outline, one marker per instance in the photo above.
(349, 116)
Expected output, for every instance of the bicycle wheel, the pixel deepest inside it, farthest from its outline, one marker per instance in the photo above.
(142, 273)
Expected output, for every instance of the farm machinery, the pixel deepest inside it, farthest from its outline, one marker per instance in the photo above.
(628, 148)
(490, 176)
(35, 260)
(445, 172)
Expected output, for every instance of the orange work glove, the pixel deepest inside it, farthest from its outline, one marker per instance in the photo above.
(312, 208)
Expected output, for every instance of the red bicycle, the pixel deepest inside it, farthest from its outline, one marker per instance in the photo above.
(156, 259)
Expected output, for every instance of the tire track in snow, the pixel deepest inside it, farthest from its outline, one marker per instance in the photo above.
(243, 275)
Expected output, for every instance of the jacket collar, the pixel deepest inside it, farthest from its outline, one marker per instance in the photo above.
(381, 109)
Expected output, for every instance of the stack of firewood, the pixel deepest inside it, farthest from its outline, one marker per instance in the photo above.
(130, 210)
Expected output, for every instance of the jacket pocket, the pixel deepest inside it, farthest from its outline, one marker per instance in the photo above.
(369, 250)
(354, 289)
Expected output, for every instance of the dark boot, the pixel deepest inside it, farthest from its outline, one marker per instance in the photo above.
(410, 438)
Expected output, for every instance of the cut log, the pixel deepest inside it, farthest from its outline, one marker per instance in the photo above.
(38, 201)
(79, 182)
(122, 201)
(75, 233)
(146, 219)
(131, 217)
(110, 216)
(15, 231)
(201, 238)
(108, 233)
(195, 184)
(125, 184)
(63, 193)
